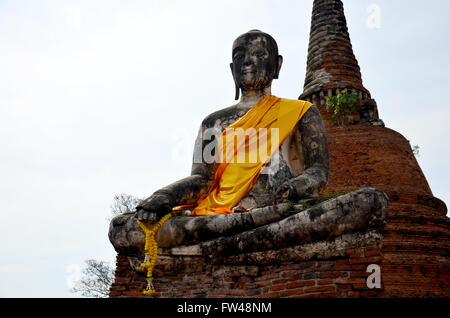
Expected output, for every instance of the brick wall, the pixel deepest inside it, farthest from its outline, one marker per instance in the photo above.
(340, 277)
(416, 243)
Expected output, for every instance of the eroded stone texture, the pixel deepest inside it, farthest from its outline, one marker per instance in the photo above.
(128, 239)
(355, 211)
(332, 268)
(262, 229)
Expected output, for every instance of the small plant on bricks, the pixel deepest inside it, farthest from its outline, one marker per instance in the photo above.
(341, 106)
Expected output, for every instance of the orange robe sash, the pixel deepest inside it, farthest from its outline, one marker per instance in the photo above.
(245, 147)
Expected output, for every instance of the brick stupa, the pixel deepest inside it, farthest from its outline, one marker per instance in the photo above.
(415, 248)
(411, 247)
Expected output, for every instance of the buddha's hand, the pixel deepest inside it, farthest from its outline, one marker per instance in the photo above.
(298, 188)
(153, 208)
(286, 192)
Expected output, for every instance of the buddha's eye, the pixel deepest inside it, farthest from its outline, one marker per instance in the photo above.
(259, 53)
(238, 56)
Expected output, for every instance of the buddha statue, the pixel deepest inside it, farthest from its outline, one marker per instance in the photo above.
(271, 193)
(304, 164)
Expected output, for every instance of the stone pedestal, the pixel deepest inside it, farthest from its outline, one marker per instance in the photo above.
(336, 268)
(289, 250)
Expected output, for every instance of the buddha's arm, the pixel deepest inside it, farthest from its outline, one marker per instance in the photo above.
(316, 157)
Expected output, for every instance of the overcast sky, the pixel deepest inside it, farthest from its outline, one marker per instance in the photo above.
(99, 98)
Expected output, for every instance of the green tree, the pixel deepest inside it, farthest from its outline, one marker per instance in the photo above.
(341, 106)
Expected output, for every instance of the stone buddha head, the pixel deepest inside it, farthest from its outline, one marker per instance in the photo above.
(255, 61)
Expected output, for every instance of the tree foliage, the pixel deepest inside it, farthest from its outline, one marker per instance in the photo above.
(341, 106)
(96, 279)
(124, 203)
(416, 150)
(97, 276)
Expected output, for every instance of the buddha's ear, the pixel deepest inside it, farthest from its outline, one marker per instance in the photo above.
(280, 63)
(236, 95)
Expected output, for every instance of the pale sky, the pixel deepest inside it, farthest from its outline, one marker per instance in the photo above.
(105, 97)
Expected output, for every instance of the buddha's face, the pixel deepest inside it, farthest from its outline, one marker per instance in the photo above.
(255, 61)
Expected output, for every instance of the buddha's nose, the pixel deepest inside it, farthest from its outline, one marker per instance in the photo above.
(247, 60)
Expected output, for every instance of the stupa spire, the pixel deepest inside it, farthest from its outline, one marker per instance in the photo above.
(331, 65)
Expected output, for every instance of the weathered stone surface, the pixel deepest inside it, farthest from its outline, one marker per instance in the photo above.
(324, 249)
(355, 211)
(332, 268)
(128, 239)
(260, 229)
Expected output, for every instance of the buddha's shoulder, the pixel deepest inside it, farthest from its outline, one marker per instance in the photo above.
(229, 113)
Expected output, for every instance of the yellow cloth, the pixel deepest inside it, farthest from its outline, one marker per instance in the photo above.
(235, 177)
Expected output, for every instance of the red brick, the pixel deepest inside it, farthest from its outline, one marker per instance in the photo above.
(270, 295)
(114, 293)
(133, 294)
(374, 252)
(369, 293)
(330, 275)
(319, 289)
(252, 292)
(122, 279)
(237, 292)
(349, 267)
(270, 272)
(342, 262)
(300, 284)
(352, 293)
(289, 267)
(244, 279)
(360, 285)
(307, 270)
(277, 287)
(349, 281)
(267, 277)
(292, 292)
(219, 292)
(250, 286)
(264, 284)
(295, 277)
(329, 295)
(367, 260)
(325, 281)
(344, 287)
(307, 296)
(279, 281)
(307, 265)
(289, 273)
(359, 274)
(324, 267)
